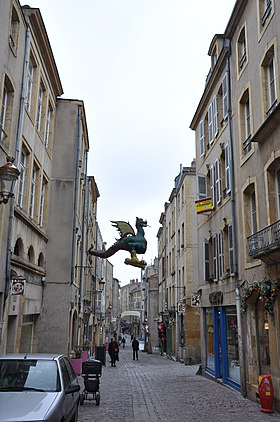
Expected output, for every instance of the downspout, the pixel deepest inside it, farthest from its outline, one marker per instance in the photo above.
(76, 196)
(17, 148)
(82, 277)
(75, 227)
(234, 236)
(177, 255)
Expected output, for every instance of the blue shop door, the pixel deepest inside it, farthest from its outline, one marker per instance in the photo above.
(220, 343)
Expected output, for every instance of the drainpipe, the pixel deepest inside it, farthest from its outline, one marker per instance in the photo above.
(81, 289)
(75, 228)
(234, 236)
(82, 293)
(17, 148)
(76, 196)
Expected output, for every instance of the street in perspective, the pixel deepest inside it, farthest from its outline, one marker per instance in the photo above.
(158, 389)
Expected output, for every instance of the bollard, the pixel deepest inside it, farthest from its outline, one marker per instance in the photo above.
(266, 393)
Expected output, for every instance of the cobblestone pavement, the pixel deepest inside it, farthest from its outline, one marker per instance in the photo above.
(157, 389)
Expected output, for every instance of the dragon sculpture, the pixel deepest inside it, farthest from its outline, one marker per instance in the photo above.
(128, 241)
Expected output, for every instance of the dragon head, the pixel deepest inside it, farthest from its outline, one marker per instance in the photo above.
(141, 223)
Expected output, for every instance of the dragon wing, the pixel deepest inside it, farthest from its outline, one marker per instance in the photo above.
(123, 227)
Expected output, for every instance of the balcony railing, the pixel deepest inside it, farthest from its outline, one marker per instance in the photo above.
(264, 241)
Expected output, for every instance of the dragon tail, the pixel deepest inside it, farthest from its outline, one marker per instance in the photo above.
(109, 252)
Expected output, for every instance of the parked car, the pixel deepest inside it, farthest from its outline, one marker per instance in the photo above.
(38, 387)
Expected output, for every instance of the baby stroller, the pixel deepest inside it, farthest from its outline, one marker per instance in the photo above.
(91, 372)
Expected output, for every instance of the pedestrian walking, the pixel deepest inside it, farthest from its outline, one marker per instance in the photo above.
(113, 351)
(135, 348)
(123, 342)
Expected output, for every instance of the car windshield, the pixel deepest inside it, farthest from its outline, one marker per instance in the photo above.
(32, 375)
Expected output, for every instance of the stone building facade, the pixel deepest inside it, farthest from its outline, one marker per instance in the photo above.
(177, 275)
(48, 283)
(237, 150)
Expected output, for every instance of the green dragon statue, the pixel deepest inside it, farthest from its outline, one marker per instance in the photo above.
(128, 241)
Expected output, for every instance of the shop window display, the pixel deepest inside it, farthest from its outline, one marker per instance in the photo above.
(210, 339)
(263, 335)
(232, 345)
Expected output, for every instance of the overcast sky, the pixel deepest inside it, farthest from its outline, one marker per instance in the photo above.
(140, 68)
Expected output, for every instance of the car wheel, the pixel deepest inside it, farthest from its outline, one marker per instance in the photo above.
(97, 398)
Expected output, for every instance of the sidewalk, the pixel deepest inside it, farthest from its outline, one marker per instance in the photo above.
(157, 389)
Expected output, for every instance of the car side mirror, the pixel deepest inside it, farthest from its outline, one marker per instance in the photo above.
(72, 388)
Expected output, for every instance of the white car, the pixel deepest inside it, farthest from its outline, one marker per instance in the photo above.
(38, 387)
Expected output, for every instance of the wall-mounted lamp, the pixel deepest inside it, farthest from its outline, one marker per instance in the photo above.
(8, 177)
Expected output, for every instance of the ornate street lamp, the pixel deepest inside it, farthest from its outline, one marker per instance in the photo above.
(8, 177)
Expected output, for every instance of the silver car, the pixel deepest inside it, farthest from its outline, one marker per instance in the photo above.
(38, 387)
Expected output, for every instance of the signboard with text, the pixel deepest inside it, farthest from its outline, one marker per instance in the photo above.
(203, 205)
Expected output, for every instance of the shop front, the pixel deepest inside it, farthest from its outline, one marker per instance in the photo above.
(221, 344)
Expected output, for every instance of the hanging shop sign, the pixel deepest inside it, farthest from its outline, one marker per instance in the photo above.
(181, 308)
(195, 299)
(203, 205)
(18, 286)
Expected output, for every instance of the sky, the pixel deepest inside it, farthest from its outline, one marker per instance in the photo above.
(140, 67)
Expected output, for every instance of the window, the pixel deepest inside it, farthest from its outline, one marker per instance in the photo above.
(14, 31)
(30, 77)
(27, 331)
(42, 203)
(201, 138)
(31, 254)
(217, 175)
(210, 123)
(212, 185)
(265, 11)
(48, 126)
(271, 82)
(230, 249)
(227, 170)
(253, 211)
(33, 191)
(206, 260)
(241, 49)
(3, 113)
(221, 265)
(202, 186)
(209, 336)
(245, 122)
(39, 108)
(214, 57)
(225, 97)
(269, 85)
(41, 260)
(183, 235)
(215, 258)
(22, 166)
(6, 112)
(213, 119)
(263, 325)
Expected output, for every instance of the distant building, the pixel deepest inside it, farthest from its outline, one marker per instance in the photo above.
(177, 275)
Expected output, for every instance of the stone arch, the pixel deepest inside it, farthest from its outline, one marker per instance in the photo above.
(31, 254)
(41, 260)
(19, 249)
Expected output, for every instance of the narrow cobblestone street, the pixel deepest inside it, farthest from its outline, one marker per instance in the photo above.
(157, 389)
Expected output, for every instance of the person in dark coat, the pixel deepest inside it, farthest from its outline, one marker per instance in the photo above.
(135, 348)
(123, 342)
(113, 351)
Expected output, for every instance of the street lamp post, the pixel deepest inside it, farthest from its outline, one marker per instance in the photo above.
(8, 177)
